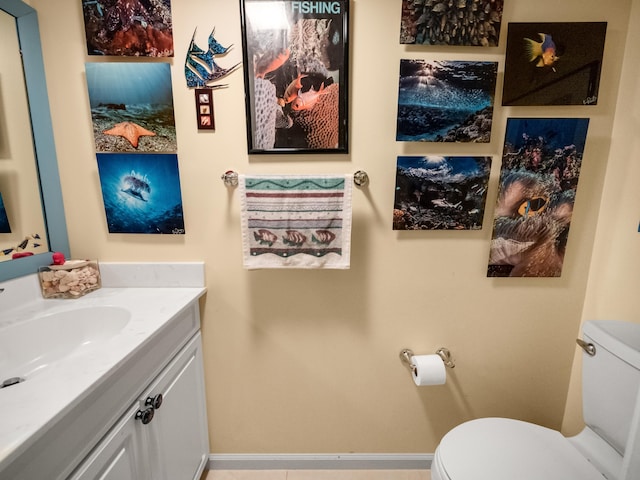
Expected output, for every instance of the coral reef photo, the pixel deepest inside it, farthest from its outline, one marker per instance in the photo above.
(445, 101)
(128, 27)
(540, 168)
(440, 193)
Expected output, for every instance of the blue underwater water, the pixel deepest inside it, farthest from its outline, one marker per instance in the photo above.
(151, 116)
(141, 193)
(556, 132)
(444, 168)
(129, 83)
(444, 96)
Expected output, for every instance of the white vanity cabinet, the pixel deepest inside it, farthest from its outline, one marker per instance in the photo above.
(173, 445)
(99, 434)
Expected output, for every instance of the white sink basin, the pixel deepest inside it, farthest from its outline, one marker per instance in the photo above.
(29, 347)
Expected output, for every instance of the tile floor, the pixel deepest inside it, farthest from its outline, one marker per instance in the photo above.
(318, 475)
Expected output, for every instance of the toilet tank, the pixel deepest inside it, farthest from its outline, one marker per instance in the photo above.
(611, 378)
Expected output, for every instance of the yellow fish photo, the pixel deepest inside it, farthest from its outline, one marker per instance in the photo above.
(553, 63)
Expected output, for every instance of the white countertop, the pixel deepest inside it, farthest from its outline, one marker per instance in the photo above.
(29, 408)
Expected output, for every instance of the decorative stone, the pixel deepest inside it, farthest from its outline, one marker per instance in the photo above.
(73, 279)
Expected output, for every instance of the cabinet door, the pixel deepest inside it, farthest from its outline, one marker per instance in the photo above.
(118, 455)
(178, 434)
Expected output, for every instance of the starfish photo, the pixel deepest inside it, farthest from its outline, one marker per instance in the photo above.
(129, 130)
(126, 99)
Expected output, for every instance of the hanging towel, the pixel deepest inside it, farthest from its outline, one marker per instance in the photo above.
(296, 221)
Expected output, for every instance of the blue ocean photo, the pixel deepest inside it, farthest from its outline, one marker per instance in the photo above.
(445, 101)
(553, 133)
(440, 193)
(141, 193)
(131, 107)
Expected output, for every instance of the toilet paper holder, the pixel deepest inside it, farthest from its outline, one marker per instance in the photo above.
(442, 352)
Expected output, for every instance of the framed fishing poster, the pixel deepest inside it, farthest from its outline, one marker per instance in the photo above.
(296, 64)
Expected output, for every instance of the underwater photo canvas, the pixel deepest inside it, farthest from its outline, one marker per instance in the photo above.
(141, 193)
(4, 219)
(440, 193)
(131, 107)
(456, 22)
(541, 165)
(446, 101)
(128, 27)
(296, 67)
(553, 63)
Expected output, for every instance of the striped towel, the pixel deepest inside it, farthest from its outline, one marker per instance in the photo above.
(296, 221)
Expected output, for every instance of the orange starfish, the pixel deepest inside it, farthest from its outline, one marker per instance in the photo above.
(129, 130)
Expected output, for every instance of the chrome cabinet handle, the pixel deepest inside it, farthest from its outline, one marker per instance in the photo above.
(145, 416)
(590, 348)
(155, 401)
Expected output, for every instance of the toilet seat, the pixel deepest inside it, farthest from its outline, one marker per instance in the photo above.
(505, 449)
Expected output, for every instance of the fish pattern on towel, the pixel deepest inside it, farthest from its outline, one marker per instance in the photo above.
(296, 221)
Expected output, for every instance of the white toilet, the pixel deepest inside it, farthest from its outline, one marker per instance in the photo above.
(504, 449)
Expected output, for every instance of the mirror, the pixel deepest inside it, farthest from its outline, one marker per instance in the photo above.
(46, 178)
(21, 218)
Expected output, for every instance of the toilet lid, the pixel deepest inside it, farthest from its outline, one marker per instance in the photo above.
(505, 449)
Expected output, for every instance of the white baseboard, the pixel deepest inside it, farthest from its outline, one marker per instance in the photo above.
(348, 461)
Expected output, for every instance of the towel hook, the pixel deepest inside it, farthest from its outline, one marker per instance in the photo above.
(230, 178)
(361, 178)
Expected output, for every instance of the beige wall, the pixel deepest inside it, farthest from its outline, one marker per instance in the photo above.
(612, 291)
(307, 361)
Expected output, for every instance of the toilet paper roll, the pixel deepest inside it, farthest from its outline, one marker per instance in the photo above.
(430, 370)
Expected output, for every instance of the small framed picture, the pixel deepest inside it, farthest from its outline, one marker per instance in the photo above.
(296, 65)
(204, 109)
